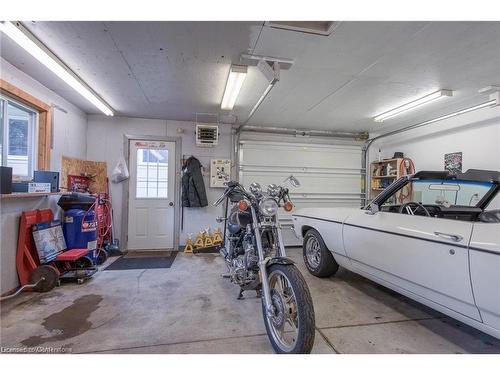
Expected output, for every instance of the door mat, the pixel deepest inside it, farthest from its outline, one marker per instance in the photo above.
(141, 263)
(147, 253)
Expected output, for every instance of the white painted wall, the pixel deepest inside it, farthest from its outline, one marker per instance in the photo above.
(105, 143)
(69, 132)
(196, 219)
(475, 134)
(70, 123)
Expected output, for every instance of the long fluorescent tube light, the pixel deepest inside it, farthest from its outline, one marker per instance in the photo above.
(412, 105)
(237, 75)
(36, 49)
(490, 103)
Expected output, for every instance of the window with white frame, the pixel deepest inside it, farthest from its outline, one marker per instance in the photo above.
(152, 173)
(17, 138)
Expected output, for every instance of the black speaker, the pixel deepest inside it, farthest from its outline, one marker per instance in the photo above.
(48, 177)
(6, 180)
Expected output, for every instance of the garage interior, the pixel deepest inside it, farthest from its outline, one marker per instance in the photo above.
(308, 106)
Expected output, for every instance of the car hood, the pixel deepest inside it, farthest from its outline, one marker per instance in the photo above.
(327, 213)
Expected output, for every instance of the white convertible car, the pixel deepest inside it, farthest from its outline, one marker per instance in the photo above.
(428, 236)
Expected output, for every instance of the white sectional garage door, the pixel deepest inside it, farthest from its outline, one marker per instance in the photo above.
(330, 173)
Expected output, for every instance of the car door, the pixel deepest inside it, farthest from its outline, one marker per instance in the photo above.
(485, 271)
(424, 255)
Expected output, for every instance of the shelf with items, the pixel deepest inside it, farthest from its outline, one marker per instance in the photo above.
(382, 174)
(28, 195)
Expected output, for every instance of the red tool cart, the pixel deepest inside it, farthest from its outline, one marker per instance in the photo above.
(69, 265)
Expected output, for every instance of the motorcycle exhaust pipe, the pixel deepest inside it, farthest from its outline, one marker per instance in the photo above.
(223, 253)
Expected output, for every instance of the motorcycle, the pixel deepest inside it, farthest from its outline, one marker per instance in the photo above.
(256, 260)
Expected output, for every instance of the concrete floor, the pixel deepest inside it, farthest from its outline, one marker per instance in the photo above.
(190, 309)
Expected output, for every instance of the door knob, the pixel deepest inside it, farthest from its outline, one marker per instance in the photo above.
(171, 204)
(453, 237)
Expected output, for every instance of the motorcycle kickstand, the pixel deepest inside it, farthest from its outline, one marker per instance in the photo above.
(240, 295)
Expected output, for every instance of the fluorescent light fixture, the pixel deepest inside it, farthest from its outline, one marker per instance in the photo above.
(237, 75)
(412, 105)
(490, 103)
(36, 49)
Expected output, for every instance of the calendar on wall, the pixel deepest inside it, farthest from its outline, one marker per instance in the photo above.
(453, 162)
(220, 173)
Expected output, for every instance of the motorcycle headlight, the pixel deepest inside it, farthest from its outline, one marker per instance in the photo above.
(268, 207)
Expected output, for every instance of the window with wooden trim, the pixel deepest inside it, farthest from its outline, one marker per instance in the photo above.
(18, 134)
(25, 131)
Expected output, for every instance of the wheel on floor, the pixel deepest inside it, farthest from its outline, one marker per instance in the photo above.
(45, 277)
(317, 258)
(102, 256)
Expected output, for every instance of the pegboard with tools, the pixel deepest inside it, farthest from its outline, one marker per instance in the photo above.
(220, 173)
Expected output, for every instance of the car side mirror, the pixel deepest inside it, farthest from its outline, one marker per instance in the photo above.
(372, 209)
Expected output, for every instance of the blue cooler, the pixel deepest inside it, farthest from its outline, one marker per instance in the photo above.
(80, 230)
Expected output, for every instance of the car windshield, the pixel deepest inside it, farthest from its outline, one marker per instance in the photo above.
(441, 192)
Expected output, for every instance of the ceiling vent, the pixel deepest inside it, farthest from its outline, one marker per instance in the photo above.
(207, 135)
(308, 27)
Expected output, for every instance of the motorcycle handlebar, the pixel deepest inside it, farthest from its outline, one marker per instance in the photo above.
(220, 199)
(233, 185)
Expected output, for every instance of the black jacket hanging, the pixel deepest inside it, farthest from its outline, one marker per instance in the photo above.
(193, 186)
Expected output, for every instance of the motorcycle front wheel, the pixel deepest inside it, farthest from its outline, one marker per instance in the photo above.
(290, 327)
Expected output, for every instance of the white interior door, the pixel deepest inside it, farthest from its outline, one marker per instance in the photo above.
(151, 195)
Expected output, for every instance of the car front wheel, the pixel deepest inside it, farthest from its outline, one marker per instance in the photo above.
(318, 259)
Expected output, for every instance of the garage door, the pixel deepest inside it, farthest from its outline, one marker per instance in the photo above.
(329, 171)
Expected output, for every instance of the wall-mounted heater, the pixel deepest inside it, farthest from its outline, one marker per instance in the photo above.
(207, 129)
(207, 135)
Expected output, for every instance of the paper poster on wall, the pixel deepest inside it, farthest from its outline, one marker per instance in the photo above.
(453, 162)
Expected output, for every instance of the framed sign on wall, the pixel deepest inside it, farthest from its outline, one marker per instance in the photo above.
(453, 162)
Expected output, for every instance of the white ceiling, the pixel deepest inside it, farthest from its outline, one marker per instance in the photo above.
(173, 70)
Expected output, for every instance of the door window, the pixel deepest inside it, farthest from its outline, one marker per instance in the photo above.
(152, 173)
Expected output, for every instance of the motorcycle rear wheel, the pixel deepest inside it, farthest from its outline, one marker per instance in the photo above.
(291, 326)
